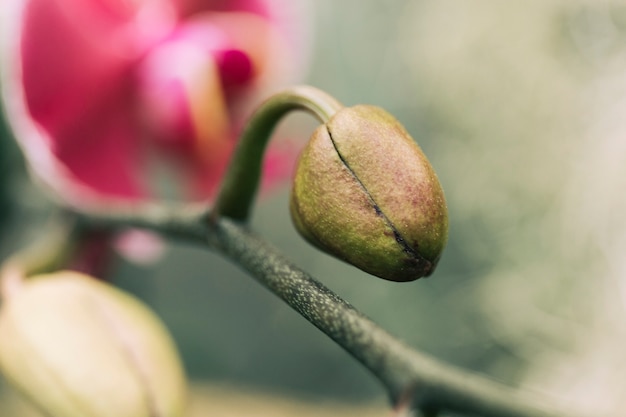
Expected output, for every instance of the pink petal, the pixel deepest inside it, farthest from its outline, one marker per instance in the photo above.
(235, 67)
(70, 92)
(244, 47)
(102, 150)
(140, 246)
(66, 66)
(290, 19)
(163, 100)
(74, 103)
(189, 7)
(183, 99)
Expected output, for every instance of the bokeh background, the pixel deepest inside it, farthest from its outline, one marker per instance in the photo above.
(521, 108)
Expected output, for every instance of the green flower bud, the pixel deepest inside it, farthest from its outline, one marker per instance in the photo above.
(365, 193)
(77, 347)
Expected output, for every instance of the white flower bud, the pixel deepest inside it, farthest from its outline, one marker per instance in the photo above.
(77, 347)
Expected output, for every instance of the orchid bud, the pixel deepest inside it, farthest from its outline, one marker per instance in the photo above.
(365, 193)
(77, 347)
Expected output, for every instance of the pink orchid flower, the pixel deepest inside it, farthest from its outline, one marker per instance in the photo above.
(94, 88)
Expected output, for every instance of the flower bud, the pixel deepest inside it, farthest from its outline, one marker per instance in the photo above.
(365, 193)
(77, 347)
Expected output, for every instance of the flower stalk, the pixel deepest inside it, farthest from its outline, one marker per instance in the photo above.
(435, 385)
(363, 190)
(241, 182)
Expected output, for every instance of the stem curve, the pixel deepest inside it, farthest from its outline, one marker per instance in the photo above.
(241, 181)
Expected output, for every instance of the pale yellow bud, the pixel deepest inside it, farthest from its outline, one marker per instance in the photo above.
(77, 347)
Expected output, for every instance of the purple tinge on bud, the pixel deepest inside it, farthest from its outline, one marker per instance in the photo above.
(365, 193)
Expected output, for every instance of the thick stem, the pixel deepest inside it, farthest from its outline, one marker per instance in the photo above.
(404, 372)
(397, 366)
(240, 184)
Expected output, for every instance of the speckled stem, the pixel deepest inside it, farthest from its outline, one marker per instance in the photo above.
(404, 372)
(240, 184)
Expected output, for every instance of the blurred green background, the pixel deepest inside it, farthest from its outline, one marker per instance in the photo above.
(520, 107)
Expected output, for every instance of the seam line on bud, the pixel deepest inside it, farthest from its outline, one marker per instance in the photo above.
(131, 357)
(396, 234)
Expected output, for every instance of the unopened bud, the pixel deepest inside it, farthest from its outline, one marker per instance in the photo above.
(365, 193)
(77, 347)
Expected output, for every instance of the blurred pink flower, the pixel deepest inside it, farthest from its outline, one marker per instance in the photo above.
(94, 87)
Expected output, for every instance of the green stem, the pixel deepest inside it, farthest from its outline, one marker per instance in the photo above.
(403, 371)
(240, 184)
